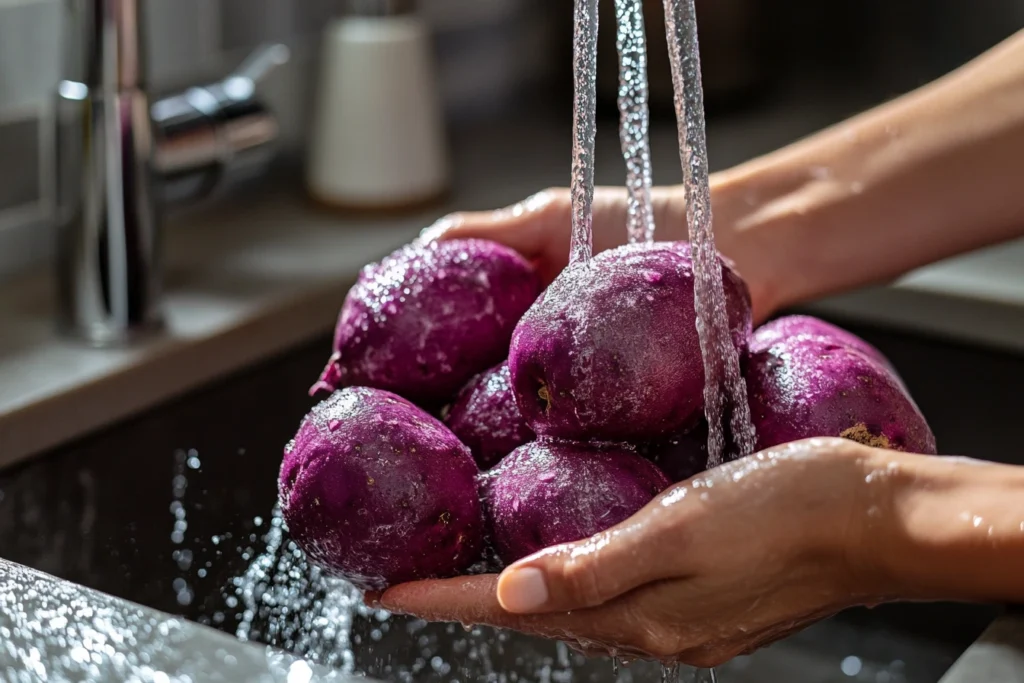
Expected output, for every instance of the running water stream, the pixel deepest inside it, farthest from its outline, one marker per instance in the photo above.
(725, 391)
(584, 115)
(634, 118)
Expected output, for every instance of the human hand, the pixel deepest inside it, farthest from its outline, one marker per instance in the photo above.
(540, 226)
(718, 566)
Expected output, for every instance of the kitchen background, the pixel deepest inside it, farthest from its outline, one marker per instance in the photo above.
(495, 58)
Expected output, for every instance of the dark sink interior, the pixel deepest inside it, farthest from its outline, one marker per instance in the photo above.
(101, 512)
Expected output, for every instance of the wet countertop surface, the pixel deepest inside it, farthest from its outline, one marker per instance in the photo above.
(265, 270)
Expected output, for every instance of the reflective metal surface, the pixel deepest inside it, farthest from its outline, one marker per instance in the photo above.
(208, 133)
(54, 630)
(107, 233)
(119, 159)
(997, 657)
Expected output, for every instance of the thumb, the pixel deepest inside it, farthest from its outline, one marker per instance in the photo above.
(584, 574)
(527, 226)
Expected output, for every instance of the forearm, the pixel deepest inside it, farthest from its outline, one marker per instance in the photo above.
(932, 174)
(954, 530)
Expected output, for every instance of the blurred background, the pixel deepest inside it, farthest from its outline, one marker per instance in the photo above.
(495, 58)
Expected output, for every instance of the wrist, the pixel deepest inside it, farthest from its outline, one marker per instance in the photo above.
(951, 529)
(855, 536)
(842, 504)
(758, 247)
(783, 217)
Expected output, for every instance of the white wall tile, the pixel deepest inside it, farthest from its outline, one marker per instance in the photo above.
(182, 38)
(20, 172)
(245, 23)
(310, 16)
(29, 52)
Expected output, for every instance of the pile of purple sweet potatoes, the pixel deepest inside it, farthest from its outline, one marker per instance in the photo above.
(474, 418)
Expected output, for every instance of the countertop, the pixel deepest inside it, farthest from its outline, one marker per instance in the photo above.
(265, 270)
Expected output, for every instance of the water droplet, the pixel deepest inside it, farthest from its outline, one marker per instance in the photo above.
(851, 666)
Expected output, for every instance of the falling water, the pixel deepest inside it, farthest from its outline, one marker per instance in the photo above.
(584, 114)
(721, 360)
(634, 113)
(292, 604)
(182, 556)
(705, 676)
(670, 674)
(287, 602)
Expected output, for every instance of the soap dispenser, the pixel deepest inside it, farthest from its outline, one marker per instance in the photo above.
(378, 138)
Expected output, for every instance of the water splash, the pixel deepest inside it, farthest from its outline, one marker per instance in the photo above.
(284, 601)
(182, 556)
(292, 604)
(584, 114)
(634, 114)
(723, 382)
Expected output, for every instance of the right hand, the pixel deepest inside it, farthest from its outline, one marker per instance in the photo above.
(717, 566)
(539, 228)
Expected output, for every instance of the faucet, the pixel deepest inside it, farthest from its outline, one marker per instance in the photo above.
(121, 159)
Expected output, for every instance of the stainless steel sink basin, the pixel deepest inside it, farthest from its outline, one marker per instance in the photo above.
(167, 509)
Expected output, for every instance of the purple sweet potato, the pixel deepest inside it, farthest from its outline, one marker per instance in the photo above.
(807, 326)
(610, 350)
(486, 418)
(427, 318)
(680, 456)
(551, 492)
(378, 492)
(801, 387)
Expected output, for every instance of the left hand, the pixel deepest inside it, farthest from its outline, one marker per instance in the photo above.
(715, 567)
(539, 228)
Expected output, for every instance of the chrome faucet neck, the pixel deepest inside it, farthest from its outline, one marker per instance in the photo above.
(107, 237)
(104, 43)
(118, 158)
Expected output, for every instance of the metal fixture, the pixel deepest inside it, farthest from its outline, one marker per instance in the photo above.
(139, 643)
(120, 159)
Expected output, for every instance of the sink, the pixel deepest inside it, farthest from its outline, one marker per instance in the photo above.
(168, 508)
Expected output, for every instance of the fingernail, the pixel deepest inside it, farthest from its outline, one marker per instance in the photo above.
(438, 229)
(387, 606)
(523, 590)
